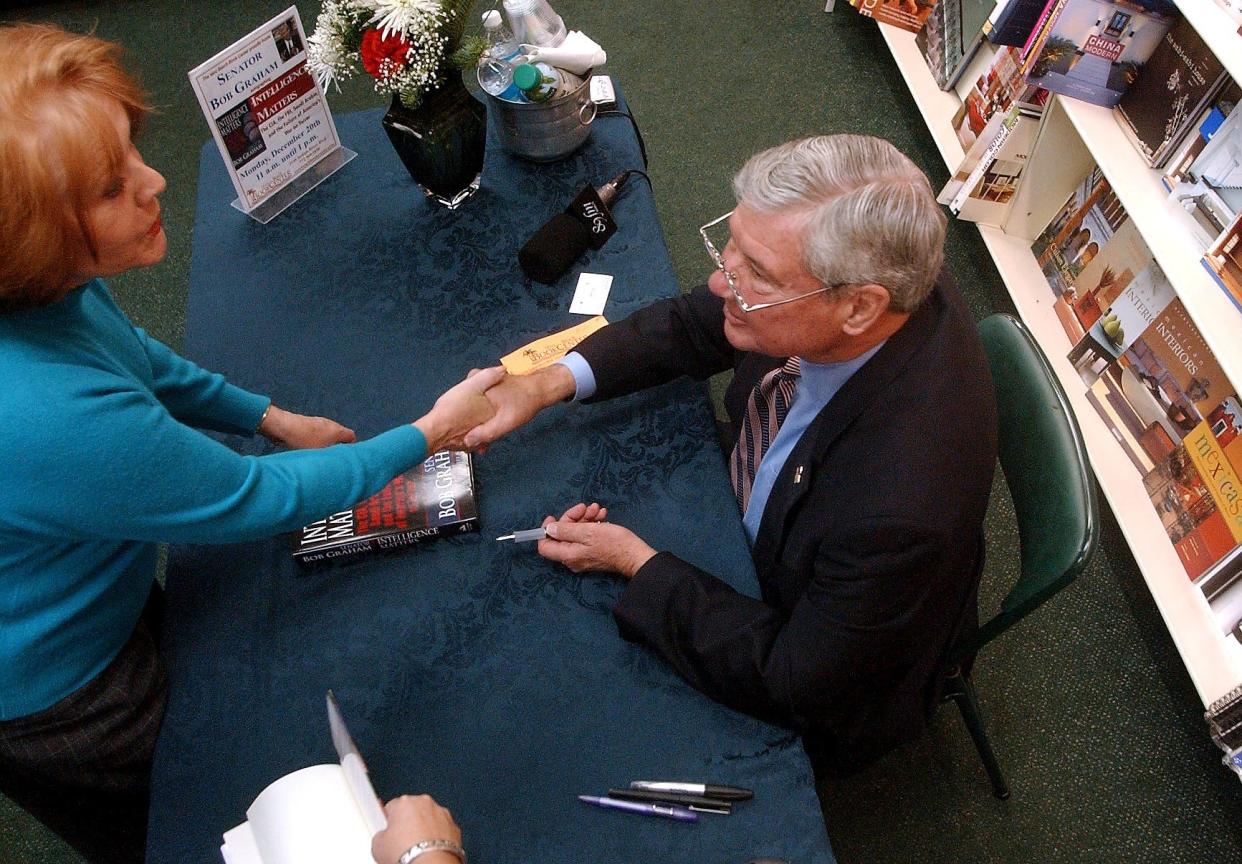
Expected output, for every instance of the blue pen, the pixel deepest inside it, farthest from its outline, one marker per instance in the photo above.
(668, 811)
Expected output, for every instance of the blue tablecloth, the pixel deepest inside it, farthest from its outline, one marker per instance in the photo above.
(472, 670)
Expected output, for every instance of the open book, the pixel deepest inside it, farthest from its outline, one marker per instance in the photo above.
(324, 814)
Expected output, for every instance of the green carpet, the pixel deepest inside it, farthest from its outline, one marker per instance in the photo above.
(1087, 702)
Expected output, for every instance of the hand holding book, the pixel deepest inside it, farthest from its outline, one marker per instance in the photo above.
(415, 819)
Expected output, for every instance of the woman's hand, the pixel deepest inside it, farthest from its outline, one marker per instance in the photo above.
(413, 819)
(518, 398)
(459, 410)
(299, 432)
(584, 541)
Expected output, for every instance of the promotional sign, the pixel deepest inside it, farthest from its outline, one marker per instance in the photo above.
(269, 117)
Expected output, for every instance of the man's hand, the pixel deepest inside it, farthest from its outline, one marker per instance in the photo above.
(518, 398)
(413, 819)
(299, 432)
(459, 410)
(584, 541)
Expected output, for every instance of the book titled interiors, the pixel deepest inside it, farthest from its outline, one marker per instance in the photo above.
(433, 499)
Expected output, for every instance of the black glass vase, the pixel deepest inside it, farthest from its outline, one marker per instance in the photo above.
(441, 141)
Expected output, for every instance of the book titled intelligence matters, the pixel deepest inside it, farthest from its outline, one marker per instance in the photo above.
(433, 499)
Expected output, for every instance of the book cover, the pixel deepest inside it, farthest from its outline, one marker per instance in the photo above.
(1188, 505)
(907, 14)
(1181, 76)
(996, 90)
(1077, 233)
(950, 38)
(1107, 272)
(984, 185)
(1122, 323)
(435, 498)
(1162, 387)
(1224, 261)
(1093, 50)
(1012, 22)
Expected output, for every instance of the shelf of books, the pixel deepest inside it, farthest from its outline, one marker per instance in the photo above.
(1214, 663)
(1107, 270)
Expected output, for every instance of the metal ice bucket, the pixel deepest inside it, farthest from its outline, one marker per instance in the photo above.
(543, 131)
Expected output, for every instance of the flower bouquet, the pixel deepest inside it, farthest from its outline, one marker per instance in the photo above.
(437, 128)
(405, 45)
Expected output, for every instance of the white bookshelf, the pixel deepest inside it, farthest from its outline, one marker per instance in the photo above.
(1074, 136)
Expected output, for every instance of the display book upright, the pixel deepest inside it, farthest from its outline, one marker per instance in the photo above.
(1074, 137)
(434, 498)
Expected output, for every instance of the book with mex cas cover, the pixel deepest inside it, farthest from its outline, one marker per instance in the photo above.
(433, 499)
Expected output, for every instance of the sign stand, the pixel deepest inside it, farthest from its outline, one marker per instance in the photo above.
(269, 117)
(316, 174)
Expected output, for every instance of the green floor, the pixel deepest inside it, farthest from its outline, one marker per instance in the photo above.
(1088, 703)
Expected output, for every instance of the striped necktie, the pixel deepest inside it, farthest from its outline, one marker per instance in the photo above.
(765, 412)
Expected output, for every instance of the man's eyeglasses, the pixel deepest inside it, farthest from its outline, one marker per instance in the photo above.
(722, 235)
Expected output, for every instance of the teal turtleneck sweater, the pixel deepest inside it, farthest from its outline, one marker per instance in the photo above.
(101, 458)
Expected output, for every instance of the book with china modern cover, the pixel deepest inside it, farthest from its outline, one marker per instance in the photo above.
(432, 499)
(1093, 50)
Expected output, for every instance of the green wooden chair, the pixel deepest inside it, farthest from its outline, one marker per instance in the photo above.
(1049, 479)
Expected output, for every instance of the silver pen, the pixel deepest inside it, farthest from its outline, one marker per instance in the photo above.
(525, 536)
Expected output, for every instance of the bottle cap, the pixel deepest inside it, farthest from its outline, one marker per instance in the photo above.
(526, 77)
(491, 19)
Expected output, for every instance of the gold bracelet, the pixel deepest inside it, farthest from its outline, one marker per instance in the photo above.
(433, 846)
(263, 419)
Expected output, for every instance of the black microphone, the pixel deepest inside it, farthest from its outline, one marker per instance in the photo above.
(585, 223)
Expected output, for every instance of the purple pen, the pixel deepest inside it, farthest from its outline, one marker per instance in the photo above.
(668, 811)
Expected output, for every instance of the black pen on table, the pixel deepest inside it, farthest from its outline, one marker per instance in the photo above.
(720, 793)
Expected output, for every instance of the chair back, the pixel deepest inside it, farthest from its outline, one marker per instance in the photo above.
(1045, 464)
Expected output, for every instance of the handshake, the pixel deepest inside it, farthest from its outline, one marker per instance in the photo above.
(489, 404)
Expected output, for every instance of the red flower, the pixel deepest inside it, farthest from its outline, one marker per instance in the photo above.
(375, 49)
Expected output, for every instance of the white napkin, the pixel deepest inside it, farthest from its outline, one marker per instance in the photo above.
(578, 53)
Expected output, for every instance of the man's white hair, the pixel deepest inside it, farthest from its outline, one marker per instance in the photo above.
(869, 211)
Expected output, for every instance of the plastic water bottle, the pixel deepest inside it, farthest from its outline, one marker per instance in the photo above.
(496, 77)
(534, 22)
(540, 82)
(500, 39)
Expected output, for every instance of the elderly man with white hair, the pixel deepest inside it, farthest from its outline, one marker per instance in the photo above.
(865, 430)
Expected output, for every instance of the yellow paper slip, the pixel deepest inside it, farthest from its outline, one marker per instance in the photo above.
(546, 351)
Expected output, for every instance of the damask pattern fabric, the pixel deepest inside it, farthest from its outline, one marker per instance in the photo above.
(472, 670)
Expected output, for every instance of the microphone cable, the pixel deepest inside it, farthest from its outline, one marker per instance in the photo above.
(642, 145)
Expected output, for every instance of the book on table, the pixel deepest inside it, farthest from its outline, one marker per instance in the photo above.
(324, 814)
(433, 499)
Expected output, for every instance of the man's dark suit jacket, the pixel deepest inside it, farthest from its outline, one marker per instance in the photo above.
(870, 547)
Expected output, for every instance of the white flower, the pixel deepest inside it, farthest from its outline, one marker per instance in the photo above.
(400, 16)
